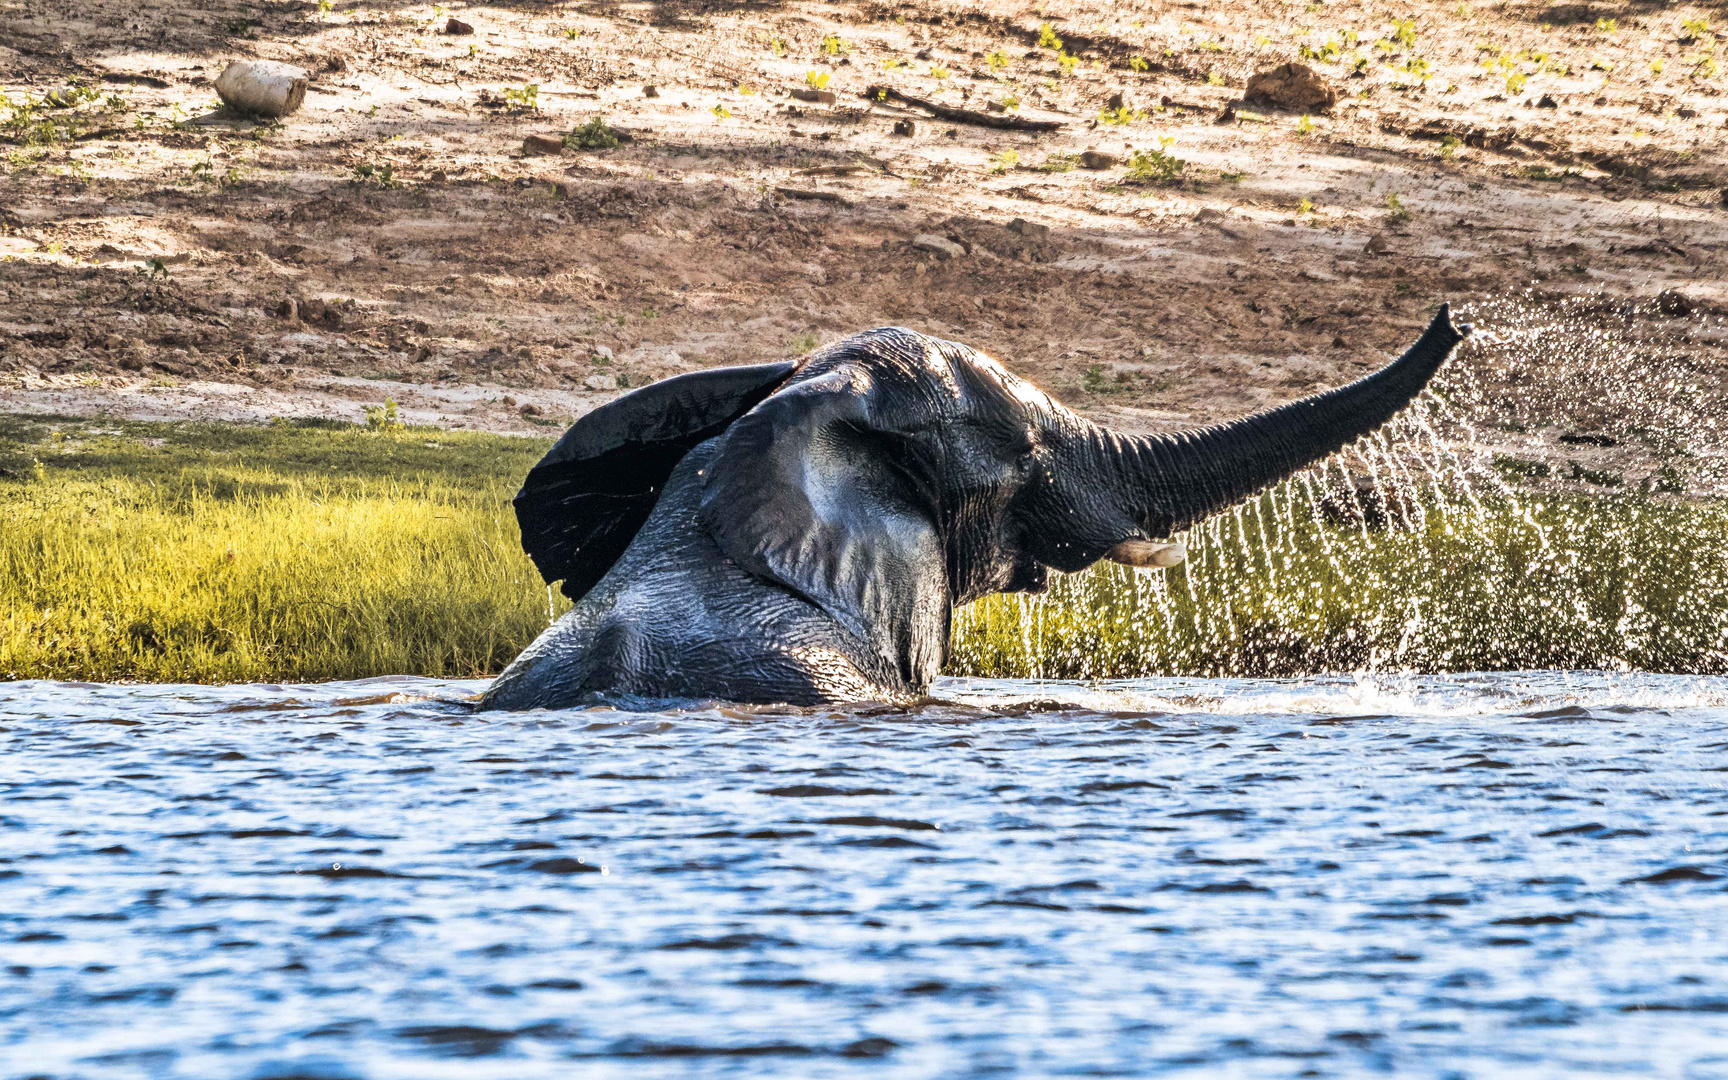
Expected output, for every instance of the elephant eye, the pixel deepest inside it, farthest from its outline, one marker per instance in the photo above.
(1023, 445)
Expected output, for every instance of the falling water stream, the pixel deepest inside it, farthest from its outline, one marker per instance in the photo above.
(1202, 869)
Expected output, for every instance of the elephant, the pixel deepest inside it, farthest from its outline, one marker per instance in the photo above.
(802, 532)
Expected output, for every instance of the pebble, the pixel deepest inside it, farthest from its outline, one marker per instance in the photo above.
(539, 143)
(457, 26)
(601, 382)
(905, 127)
(1092, 159)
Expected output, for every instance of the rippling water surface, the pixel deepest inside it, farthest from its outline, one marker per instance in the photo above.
(1465, 876)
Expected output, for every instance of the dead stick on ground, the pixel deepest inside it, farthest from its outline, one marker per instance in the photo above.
(961, 116)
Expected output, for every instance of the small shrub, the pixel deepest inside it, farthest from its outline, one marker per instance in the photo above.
(1449, 145)
(383, 176)
(1067, 61)
(777, 45)
(1138, 63)
(1607, 26)
(1047, 38)
(1156, 166)
(1404, 32)
(721, 112)
(523, 97)
(1305, 126)
(816, 80)
(1005, 160)
(571, 33)
(594, 135)
(803, 343)
(998, 60)
(1121, 116)
(1214, 79)
(1395, 208)
(833, 46)
(384, 418)
(937, 71)
(1058, 163)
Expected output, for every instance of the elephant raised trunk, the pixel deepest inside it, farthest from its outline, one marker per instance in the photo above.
(1171, 482)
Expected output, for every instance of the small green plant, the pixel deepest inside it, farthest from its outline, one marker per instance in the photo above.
(1449, 145)
(1607, 26)
(1694, 30)
(1417, 67)
(1515, 81)
(937, 71)
(1704, 68)
(523, 97)
(1010, 103)
(1120, 116)
(1213, 78)
(473, 50)
(383, 176)
(594, 135)
(1306, 206)
(998, 60)
(325, 7)
(1656, 68)
(746, 90)
(571, 33)
(1004, 161)
(1096, 382)
(1404, 32)
(384, 419)
(1305, 126)
(816, 80)
(721, 112)
(893, 63)
(1139, 63)
(833, 46)
(1231, 177)
(1067, 61)
(1156, 166)
(1047, 38)
(777, 45)
(803, 343)
(1058, 163)
(1395, 208)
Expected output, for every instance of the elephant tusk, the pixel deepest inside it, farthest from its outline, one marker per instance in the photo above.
(1147, 554)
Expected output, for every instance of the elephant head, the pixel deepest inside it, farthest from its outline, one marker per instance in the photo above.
(892, 476)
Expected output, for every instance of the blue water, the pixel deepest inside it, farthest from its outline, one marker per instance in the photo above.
(1507, 875)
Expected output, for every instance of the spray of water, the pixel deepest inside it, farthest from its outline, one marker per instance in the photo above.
(1435, 545)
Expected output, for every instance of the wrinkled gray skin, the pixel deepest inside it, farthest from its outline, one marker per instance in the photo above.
(814, 549)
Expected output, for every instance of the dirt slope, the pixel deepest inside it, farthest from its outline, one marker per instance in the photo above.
(392, 239)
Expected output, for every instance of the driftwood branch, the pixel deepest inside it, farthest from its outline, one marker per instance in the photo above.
(961, 116)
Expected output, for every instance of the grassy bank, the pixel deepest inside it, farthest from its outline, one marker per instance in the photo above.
(210, 552)
(214, 552)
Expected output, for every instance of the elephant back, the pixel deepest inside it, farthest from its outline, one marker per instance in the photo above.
(588, 497)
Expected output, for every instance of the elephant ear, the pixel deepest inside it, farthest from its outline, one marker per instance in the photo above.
(811, 489)
(588, 497)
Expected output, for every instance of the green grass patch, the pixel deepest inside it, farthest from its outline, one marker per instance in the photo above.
(295, 552)
(224, 553)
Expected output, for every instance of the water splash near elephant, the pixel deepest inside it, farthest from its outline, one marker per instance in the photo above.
(1450, 540)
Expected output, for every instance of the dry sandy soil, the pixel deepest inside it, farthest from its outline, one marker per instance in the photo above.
(165, 258)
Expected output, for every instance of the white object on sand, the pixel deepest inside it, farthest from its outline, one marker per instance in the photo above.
(262, 87)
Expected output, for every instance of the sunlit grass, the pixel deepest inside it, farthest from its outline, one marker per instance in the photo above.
(231, 554)
(218, 553)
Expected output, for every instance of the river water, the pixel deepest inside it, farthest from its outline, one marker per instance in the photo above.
(1464, 876)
